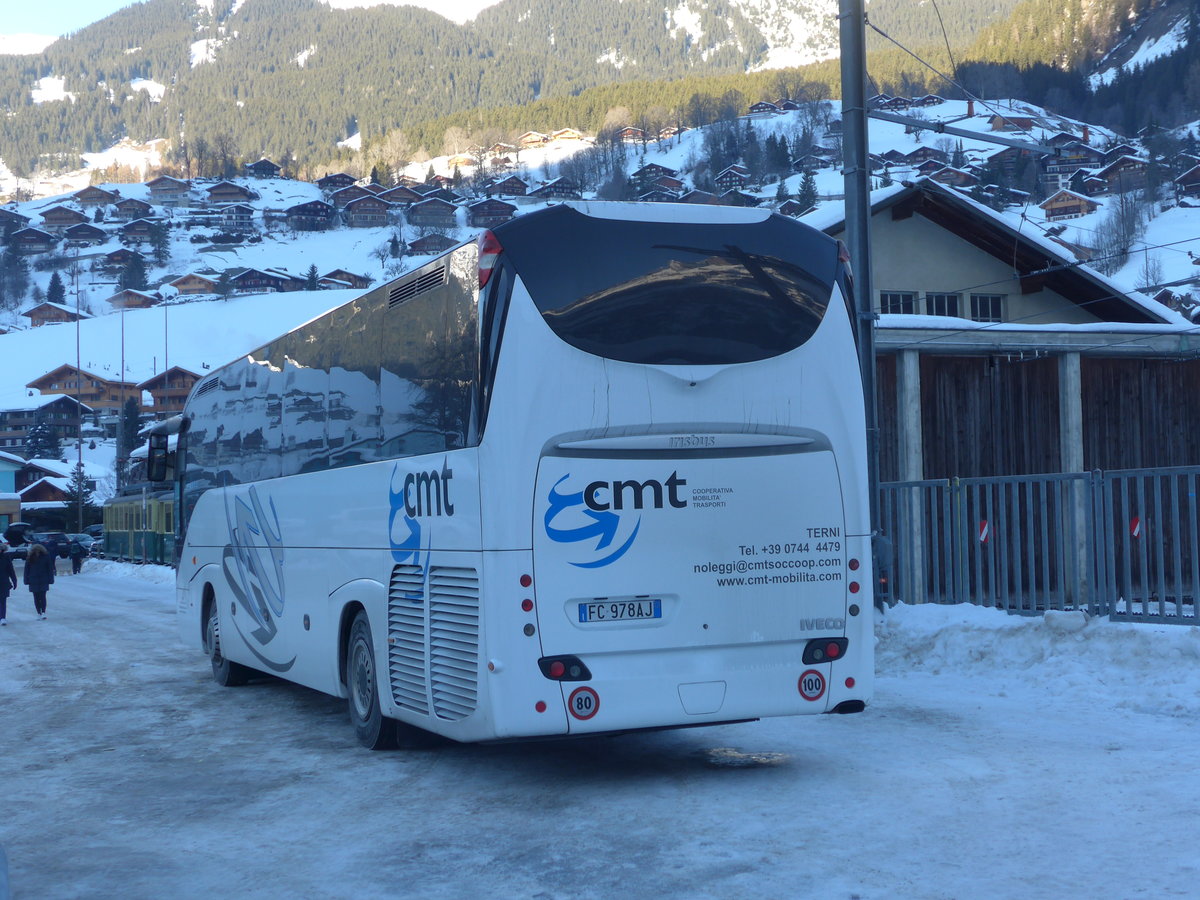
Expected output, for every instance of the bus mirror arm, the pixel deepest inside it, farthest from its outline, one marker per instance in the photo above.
(882, 556)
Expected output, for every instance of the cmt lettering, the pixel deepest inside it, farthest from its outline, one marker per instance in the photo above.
(603, 495)
(428, 493)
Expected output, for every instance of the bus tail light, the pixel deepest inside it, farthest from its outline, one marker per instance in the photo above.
(489, 252)
(820, 650)
(564, 668)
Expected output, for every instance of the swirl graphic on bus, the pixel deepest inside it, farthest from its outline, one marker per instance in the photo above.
(604, 526)
(253, 562)
(404, 532)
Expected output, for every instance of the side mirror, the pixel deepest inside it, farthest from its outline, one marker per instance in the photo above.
(156, 463)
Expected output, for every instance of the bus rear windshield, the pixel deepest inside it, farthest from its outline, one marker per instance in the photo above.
(674, 293)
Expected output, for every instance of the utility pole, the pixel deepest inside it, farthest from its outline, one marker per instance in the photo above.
(857, 173)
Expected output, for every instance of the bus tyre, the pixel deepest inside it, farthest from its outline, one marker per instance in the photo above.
(225, 672)
(373, 730)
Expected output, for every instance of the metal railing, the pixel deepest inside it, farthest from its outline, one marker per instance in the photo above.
(1122, 544)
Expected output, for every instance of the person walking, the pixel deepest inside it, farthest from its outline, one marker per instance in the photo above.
(39, 575)
(77, 553)
(8, 581)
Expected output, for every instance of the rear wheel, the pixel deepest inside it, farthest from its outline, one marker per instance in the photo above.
(225, 673)
(372, 728)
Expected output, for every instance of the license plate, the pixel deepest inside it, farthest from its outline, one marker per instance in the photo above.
(620, 610)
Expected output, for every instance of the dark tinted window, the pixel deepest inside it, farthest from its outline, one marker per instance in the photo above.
(673, 293)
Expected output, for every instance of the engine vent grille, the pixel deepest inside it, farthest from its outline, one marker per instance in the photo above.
(406, 639)
(453, 641)
(206, 386)
(425, 281)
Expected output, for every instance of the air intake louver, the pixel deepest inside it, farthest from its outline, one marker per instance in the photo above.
(425, 281)
(406, 638)
(206, 386)
(453, 641)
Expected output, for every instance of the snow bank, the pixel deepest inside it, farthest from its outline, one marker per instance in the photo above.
(1134, 666)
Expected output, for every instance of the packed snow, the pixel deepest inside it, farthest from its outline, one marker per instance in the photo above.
(1002, 757)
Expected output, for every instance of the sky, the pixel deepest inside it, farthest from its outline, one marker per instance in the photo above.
(56, 17)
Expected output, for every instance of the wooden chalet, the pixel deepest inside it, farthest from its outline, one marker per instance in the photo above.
(139, 231)
(953, 177)
(431, 244)
(335, 182)
(131, 299)
(1188, 183)
(257, 281)
(732, 178)
(793, 208)
(288, 281)
(894, 104)
(928, 100)
(194, 283)
(764, 108)
(313, 215)
(532, 139)
(169, 390)
(1072, 156)
(490, 212)
(991, 399)
(224, 192)
(657, 195)
(1011, 122)
(341, 278)
(32, 240)
(1064, 204)
(117, 259)
(512, 186)
(670, 131)
(58, 219)
(1116, 151)
(85, 233)
(666, 183)
(632, 135)
(342, 196)
(929, 167)
(92, 196)
(650, 171)
(439, 183)
(501, 149)
(1123, 174)
(462, 161)
(561, 188)
(567, 134)
(47, 313)
(168, 191)
(366, 212)
(94, 390)
(737, 198)
(921, 154)
(401, 196)
(237, 217)
(376, 189)
(60, 412)
(703, 198)
(131, 208)
(12, 219)
(263, 168)
(432, 213)
(810, 162)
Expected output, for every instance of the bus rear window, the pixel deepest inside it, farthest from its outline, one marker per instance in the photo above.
(674, 293)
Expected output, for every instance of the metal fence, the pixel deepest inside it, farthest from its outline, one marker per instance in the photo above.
(1122, 544)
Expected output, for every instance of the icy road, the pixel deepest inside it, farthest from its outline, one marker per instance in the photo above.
(1002, 758)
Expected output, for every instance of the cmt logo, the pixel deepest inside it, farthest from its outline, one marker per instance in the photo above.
(603, 495)
(428, 493)
(601, 512)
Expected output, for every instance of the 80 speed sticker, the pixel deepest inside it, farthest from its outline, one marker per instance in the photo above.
(583, 703)
(812, 685)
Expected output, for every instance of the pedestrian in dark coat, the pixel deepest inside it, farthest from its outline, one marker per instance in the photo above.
(8, 581)
(39, 575)
(77, 553)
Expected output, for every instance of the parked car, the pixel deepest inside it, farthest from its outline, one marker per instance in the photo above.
(96, 531)
(56, 542)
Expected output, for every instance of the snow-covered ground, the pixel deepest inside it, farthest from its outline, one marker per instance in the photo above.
(1002, 757)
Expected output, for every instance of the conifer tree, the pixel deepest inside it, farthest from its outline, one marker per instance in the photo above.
(807, 196)
(311, 277)
(133, 276)
(40, 440)
(55, 292)
(81, 504)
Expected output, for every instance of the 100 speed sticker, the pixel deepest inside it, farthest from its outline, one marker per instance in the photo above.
(812, 685)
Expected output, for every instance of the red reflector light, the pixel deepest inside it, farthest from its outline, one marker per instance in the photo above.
(557, 669)
(832, 650)
(540, 706)
(526, 581)
(849, 682)
(854, 587)
(489, 252)
(527, 605)
(854, 564)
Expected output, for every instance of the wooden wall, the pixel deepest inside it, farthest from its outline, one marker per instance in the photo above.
(1140, 413)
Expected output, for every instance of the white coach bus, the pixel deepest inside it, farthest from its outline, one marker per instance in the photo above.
(602, 470)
